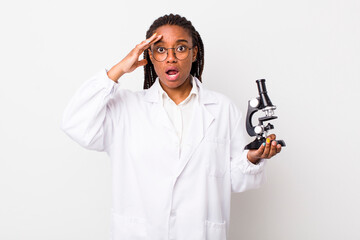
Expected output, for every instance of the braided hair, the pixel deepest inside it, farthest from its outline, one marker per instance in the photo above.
(171, 19)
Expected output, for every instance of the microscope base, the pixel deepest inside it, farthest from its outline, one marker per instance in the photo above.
(257, 143)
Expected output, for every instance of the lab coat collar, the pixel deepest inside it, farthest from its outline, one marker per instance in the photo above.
(202, 119)
(205, 96)
(193, 93)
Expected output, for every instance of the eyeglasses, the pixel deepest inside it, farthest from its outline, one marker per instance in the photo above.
(160, 54)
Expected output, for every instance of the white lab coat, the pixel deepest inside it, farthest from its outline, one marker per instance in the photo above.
(158, 195)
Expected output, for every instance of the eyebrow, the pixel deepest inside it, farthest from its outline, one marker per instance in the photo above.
(178, 41)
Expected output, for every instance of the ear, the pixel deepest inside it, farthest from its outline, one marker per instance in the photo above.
(195, 51)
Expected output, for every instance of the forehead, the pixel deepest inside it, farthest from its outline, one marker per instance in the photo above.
(173, 33)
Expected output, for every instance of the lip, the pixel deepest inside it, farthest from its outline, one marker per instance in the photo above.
(171, 68)
(172, 77)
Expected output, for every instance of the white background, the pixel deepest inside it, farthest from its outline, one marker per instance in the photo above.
(308, 51)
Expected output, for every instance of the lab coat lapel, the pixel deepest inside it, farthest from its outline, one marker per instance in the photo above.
(158, 112)
(201, 121)
(161, 117)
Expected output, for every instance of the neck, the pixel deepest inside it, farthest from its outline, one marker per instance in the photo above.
(180, 93)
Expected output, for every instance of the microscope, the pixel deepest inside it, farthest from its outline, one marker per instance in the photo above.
(260, 103)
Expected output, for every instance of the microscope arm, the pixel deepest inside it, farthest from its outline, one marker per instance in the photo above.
(249, 115)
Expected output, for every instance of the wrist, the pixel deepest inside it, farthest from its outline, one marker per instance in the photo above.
(115, 73)
(252, 159)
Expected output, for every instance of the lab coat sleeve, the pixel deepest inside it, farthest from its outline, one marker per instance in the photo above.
(89, 118)
(244, 174)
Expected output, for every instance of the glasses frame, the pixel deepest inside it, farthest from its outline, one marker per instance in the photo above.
(167, 54)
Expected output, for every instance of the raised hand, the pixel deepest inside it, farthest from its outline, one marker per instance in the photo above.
(131, 61)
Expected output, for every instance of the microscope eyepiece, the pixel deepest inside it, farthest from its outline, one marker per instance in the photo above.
(264, 98)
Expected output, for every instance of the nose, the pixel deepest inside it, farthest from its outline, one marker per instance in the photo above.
(171, 55)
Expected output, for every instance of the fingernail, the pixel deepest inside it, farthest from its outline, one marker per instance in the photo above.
(154, 34)
(274, 143)
(268, 140)
(263, 144)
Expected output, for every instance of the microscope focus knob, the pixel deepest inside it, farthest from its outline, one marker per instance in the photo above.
(254, 102)
(258, 129)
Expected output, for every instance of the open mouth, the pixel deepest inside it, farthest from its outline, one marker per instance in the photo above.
(172, 74)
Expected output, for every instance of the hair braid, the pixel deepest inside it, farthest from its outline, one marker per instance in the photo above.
(171, 19)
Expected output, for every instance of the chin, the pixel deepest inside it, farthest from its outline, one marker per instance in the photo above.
(171, 84)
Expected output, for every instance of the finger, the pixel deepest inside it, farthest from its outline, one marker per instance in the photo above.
(272, 137)
(267, 149)
(256, 153)
(142, 62)
(146, 43)
(278, 148)
(260, 150)
(273, 149)
(140, 48)
(156, 38)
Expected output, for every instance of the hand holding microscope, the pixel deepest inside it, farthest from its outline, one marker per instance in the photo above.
(261, 130)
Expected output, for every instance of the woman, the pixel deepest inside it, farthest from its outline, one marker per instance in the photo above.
(176, 147)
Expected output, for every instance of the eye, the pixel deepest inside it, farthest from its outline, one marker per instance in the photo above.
(181, 48)
(160, 50)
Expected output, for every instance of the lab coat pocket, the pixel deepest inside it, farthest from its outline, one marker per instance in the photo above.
(215, 231)
(217, 156)
(126, 227)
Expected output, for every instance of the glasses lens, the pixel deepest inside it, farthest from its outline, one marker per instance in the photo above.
(159, 53)
(159, 56)
(181, 52)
